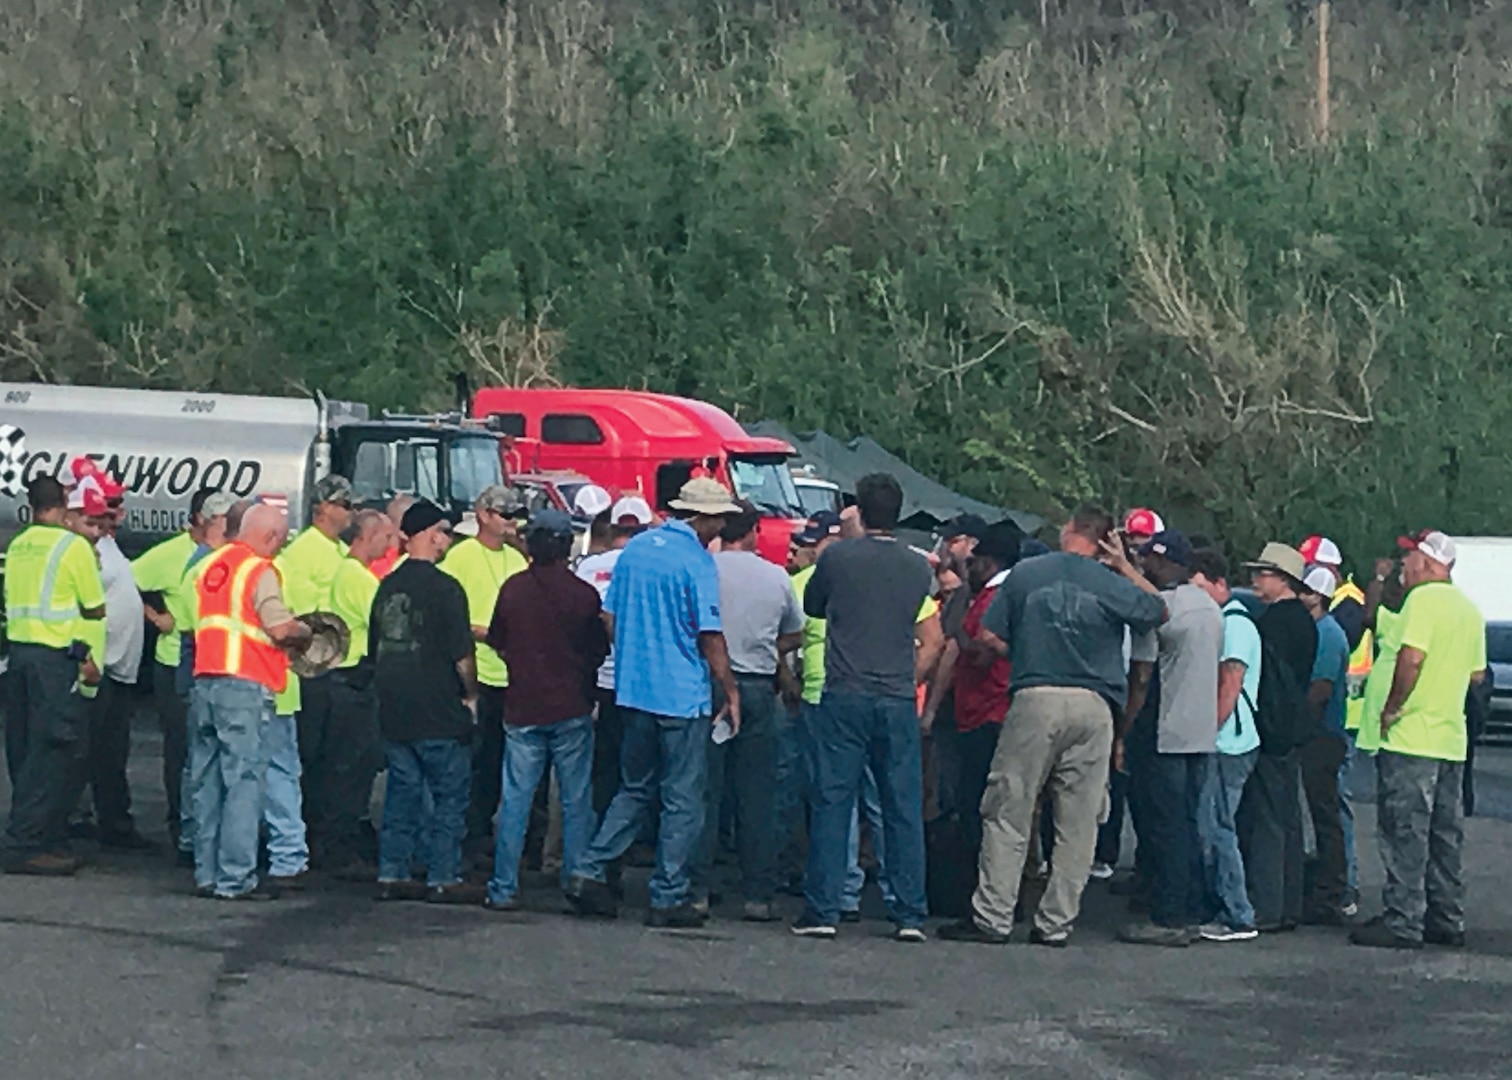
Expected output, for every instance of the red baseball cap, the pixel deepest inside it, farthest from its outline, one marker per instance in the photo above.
(1143, 522)
(1320, 549)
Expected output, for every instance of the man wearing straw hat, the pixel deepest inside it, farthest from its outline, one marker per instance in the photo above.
(1270, 815)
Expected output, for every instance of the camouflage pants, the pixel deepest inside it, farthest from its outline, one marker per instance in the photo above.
(1419, 826)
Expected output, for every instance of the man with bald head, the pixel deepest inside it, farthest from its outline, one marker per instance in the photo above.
(244, 634)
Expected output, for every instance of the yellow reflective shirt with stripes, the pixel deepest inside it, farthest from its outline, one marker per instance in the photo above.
(51, 575)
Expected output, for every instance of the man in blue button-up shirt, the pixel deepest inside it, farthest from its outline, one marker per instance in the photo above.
(663, 612)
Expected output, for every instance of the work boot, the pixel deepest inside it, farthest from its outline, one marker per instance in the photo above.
(589, 897)
(45, 865)
(1377, 935)
(1172, 937)
(681, 917)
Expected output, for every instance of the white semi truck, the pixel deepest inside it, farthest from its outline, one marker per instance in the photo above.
(163, 446)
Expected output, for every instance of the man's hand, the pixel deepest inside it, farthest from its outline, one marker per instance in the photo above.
(161, 620)
(850, 522)
(1383, 568)
(471, 704)
(89, 673)
(789, 689)
(730, 712)
(1389, 717)
(927, 719)
(1118, 756)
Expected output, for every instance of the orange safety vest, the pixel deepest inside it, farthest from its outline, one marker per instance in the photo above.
(230, 639)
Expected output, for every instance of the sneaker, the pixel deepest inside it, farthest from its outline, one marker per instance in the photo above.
(755, 911)
(808, 926)
(261, 894)
(851, 916)
(1039, 937)
(1380, 936)
(681, 917)
(968, 930)
(592, 898)
(1217, 931)
(1100, 871)
(910, 935)
(501, 906)
(399, 890)
(458, 892)
(45, 865)
(1454, 939)
(1148, 933)
(1350, 910)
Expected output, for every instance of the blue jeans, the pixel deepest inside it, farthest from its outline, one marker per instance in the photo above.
(1223, 867)
(855, 877)
(665, 757)
(567, 746)
(441, 768)
(1173, 795)
(849, 733)
(283, 807)
(228, 766)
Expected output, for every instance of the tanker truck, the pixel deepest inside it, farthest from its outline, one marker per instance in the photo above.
(163, 446)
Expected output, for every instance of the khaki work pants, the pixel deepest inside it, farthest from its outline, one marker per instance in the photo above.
(1057, 739)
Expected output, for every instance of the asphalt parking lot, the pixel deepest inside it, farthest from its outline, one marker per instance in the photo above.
(121, 973)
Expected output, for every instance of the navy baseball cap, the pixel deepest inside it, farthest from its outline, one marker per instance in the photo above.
(550, 520)
(824, 523)
(1171, 544)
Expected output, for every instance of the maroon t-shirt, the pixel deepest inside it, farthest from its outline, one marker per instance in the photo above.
(547, 628)
(981, 693)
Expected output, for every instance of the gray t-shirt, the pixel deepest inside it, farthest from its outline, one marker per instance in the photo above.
(870, 590)
(756, 604)
(1063, 617)
(1188, 647)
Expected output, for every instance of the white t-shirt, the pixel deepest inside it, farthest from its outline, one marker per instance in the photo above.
(125, 633)
(598, 571)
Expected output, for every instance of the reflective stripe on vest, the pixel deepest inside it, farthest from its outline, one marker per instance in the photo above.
(44, 611)
(228, 638)
(1363, 657)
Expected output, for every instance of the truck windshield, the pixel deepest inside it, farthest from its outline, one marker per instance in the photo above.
(766, 482)
(474, 466)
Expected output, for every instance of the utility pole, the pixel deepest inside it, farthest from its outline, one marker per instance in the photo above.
(1323, 118)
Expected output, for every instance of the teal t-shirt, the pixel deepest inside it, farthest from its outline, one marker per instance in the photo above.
(1241, 643)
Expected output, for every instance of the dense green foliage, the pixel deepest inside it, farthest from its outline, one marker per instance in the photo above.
(1045, 251)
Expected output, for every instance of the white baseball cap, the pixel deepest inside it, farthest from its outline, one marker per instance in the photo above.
(1321, 580)
(591, 501)
(631, 510)
(1436, 545)
(1320, 549)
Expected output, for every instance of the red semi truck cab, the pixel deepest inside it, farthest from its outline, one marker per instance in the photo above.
(632, 441)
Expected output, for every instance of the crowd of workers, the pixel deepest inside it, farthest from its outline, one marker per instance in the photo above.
(684, 692)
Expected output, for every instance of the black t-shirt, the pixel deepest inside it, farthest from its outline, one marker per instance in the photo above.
(870, 590)
(418, 633)
(1288, 629)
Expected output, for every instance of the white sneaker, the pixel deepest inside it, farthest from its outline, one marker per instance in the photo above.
(1350, 910)
(1218, 932)
(1100, 871)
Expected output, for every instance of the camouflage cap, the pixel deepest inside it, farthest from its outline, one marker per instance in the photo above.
(333, 489)
(501, 499)
(217, 504)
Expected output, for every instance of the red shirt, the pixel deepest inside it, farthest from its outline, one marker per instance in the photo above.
(981, 693)
(384, 564)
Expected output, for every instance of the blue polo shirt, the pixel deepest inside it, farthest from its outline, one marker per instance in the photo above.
(665, 592)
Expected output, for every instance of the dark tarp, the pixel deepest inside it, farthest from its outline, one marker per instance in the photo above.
(926, 503)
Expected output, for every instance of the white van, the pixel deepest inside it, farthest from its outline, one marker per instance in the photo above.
(1483, 568)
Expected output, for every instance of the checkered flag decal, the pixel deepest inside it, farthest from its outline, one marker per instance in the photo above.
(12, 458)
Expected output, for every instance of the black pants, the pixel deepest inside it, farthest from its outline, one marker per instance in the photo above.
(1320, 761)
(173, 719)
(749, 763)
(109, 748)
(47, 742)
(1110, 832)
(1270, 838)
(1139, 759)
(338, 780)
(973, 752)
(608, 733)
(1173, 786)
(487, 764)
